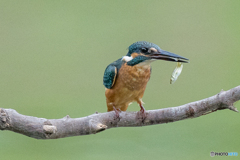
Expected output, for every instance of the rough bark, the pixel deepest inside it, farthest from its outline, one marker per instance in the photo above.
(41, 128)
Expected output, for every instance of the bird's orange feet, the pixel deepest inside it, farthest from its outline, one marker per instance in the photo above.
(117, 111)
(142, 113)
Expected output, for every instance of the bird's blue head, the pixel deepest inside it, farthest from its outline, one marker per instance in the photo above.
(143, 51)
(141, 47)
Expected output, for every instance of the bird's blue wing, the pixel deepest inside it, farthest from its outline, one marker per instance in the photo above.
(109, 76)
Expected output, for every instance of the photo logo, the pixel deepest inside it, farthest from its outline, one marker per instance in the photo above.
(212, 154)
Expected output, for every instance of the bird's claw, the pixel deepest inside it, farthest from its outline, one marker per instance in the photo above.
(142, 113)
(117, 111)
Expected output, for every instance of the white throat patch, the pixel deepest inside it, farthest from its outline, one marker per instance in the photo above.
(147, 62)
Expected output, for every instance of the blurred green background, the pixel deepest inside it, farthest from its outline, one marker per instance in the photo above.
(54, 53)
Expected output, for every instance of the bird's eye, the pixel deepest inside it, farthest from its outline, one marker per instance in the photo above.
(144, 50)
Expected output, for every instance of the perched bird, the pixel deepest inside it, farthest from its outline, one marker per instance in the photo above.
(126, 78)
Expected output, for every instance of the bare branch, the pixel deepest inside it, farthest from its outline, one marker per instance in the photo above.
(41, 128)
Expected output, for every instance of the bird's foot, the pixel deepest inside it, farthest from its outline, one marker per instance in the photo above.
(117, 111)
(142, 113)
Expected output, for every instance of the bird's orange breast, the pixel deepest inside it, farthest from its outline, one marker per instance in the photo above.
(129, 86)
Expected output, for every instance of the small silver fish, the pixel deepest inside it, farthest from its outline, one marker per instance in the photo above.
(177, 71)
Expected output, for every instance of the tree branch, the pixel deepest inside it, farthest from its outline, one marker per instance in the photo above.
(41, 128)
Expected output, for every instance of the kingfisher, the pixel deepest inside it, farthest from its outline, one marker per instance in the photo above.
(125, 79)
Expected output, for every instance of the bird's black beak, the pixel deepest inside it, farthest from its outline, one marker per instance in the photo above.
(168, 56)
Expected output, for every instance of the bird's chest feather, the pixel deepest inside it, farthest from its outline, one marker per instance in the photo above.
(129, 86)
(134, 77)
